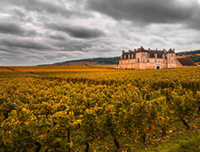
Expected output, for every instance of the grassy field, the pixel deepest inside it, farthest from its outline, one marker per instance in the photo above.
(99, 108)
(186, 141)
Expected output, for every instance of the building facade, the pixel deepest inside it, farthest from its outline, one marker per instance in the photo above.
(148, 59)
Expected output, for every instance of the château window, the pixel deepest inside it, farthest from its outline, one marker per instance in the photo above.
(148, 55)
(144, 54)
(155, 61)
(158, 61)
(138, 60)
(172, 61)
(143, 60)
(163, 56)
(172, 55)
(148, 61)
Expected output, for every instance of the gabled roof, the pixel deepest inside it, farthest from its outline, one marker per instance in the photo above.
(141, 49)
(171, 51)
(186, 62)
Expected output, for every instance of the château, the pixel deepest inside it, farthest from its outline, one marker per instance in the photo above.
(151, 59)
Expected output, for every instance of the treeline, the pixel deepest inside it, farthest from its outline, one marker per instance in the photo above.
(193, 55)
(100, 61)
(195, 58)
(188, 53)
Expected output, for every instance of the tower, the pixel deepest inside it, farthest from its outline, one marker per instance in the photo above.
(171, 58)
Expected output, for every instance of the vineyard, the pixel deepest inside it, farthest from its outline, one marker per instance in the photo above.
(95, 108)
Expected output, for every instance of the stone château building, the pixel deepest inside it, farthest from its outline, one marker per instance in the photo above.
(151, 59)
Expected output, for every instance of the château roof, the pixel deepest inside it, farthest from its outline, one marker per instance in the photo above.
(159, 53)
(186, 62)
(151, 53)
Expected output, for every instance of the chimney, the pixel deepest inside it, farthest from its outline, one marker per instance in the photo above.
(164, 50)
(135, 50)
(129, 51)
(123, 51)
(149, 49)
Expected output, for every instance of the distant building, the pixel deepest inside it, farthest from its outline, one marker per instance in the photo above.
(151, 59)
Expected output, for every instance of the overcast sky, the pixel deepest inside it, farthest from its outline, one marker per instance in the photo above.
(36, 32)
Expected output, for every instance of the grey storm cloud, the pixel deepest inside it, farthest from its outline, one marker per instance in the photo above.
(57, 37)
(45, 7)
(14, 29)
(21, 16)
(77, 31)
(73, 45)
(147, 11)
(39, 6)
(11, 28)
(26, 44)
(46, 31)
